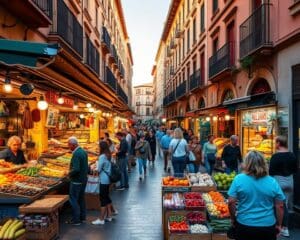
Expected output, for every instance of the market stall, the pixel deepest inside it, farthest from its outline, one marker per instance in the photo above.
(193, 209)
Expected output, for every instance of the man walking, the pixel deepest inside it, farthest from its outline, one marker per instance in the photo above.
(231, 155)
(159, 134)
(165, 144)
(122, 160)
(78, 179)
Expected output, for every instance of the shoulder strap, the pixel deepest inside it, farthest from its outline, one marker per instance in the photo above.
(176, 146)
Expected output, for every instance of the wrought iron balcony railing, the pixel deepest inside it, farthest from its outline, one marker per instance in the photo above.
(45, 6)
(181, 90)
(106, 37)
(122, 94)
(110, 79)
(92, 56)
(255, 31)
(195, 80)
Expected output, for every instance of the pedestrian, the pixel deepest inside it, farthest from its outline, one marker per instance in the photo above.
(104, 169)
(209, 154)
(78, 179)
(231, 155)
(178, 150)
(150, 138)
(283, 165)
(143, 153)
(165, 144)
(159, 134)
(128, 138)
(255, 201)
(195, 148)
(122, 160)
(190, 135)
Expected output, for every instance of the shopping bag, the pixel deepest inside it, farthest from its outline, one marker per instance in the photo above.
(92, 185)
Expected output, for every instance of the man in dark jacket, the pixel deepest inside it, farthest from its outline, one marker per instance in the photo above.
(78, 179)
(231, 155)
(122, 158)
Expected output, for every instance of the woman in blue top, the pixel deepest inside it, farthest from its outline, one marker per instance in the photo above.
(104, 169)
(209, 154)
(255, 194)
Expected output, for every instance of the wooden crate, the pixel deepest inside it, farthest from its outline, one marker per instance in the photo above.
(49, 233)
(189, 236)
(220, 236)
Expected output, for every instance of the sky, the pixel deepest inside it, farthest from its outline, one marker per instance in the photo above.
(145, 21)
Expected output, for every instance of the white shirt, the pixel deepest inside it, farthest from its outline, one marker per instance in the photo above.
(181, 148)
(129, 139)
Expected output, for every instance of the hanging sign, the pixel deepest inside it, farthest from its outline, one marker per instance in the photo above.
(52, 97)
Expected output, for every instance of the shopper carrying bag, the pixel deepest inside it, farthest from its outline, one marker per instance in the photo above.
(92, 185)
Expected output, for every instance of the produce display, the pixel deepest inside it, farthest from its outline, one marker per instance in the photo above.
(178, 227)
(195, 217)
(201, 180)
(224, 180)
(21, 190)
(3, 179)
(192, 195)
(220, 225)
(213, 196)
(194, 204)
(173, 201)
(41, 182)
(30, 171)
(12, 229)
(13, 177)
(50, 172)
(8, 166)
(173, 181)
(4, 164)
(199, 228)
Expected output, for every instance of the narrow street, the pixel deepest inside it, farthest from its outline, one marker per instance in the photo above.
(139, 215)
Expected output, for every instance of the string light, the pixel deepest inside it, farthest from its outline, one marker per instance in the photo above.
(42, 104)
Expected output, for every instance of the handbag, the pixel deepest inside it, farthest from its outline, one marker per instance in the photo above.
(92, 185)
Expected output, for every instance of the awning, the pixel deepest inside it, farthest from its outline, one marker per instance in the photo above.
(236, 100)
(25, 53)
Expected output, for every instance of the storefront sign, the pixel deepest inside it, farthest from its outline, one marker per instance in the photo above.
(52, 97)
(52, 117)
(189, 114)
(262, 115)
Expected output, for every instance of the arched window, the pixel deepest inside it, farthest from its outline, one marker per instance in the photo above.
(261, 86)
(201, 103)
(227, 95)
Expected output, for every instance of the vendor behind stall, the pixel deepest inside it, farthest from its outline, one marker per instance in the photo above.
(13, 153)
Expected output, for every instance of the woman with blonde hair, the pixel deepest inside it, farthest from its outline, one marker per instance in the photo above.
(178, 149)
(256, 194)
(13, 153)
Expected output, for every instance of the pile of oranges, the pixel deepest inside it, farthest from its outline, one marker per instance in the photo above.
(173, 181)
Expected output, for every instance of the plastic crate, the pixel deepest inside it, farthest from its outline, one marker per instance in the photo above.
(9, 210)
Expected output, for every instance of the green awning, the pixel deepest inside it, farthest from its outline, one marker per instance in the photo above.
(24, 52)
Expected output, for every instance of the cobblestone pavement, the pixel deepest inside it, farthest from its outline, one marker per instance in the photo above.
(139, 215)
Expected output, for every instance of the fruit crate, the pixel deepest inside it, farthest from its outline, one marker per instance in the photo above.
(203, 188)
(200, 207)
(220, 236)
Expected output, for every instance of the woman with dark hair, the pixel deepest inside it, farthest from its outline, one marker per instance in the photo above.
(209, 154)
(255, 201)
(152, 141)
(104, 169)
(283, 165)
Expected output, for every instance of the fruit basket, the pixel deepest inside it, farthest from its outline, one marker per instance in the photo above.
(195, 204)
(196, 217)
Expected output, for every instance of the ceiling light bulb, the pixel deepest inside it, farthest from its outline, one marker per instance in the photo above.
(207, 119)
(88, 105)
(215, 118)
(81, 116)
(227, 117)
(75, 107)
(7, 87)
(42, 104)
(91, 109)
(60, 100)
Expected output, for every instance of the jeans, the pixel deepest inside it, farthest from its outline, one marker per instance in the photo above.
(192, 168)
(142, 165)
(77, 201)
(209, 166)
(178, 165)
(229, 170)
(166, 158)
(124, 174)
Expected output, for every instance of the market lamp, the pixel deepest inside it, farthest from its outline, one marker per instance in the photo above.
(227, 117)
(42, 104)
(60, 99)
(207, 119)
(215, 118)
(7, 87)
(91, 109)
(88, 105)
(81, 116)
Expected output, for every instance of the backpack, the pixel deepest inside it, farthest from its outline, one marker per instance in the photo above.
(115, 173)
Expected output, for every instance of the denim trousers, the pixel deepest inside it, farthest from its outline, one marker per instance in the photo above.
(124, 174)
(209, 166)
(142, 165)
(192, 168)
(77, 201)
(179, 166)
(229, 170)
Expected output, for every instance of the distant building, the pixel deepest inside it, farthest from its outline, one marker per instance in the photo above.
(143, 101)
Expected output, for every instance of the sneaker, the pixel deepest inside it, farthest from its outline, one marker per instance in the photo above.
(108, 219)
(140, 178)
(285, 232)
(120, 188)
(115, 212)
(71, 222)
(98, 222)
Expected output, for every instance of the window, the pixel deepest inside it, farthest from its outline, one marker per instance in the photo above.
(188, 40)
(194, 31)
(138, 91)
(202, 17)
(215, 6)
(215, 45)
(147, 111)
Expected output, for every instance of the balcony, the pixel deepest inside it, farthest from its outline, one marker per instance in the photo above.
(255, 32)
(196, 81)
(122, 94)
(110, 79)
(92, 56)
(222, 61)
(114, 56)
(66, 29)
(105, 41)
(149, 104)
(181, 90)
(138, 103)
(34, 13)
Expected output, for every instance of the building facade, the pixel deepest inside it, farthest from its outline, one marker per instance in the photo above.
(232, 67)
(143, 102)
(94, 61)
